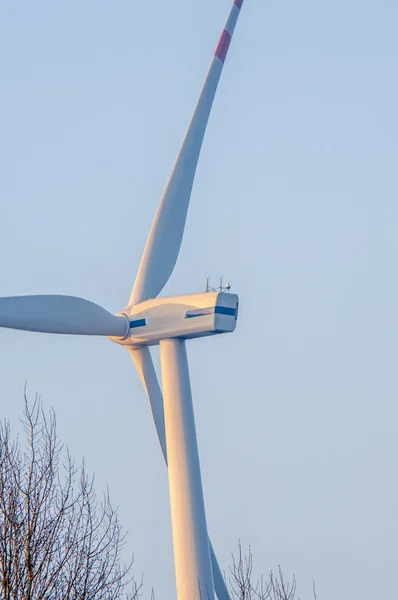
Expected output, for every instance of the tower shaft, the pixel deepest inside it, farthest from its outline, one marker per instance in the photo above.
(194, 577)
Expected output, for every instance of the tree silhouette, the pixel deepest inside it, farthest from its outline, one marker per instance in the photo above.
(57, 541)
(244, 586)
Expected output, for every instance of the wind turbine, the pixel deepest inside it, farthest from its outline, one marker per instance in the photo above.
(168, 322)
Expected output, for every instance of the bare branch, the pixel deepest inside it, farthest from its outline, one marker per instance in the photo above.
(243, 585)
(57, 542)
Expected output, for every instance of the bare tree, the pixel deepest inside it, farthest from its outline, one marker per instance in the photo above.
(243, 585)
(57, 542)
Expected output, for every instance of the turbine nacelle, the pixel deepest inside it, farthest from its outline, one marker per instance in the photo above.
(185, 317)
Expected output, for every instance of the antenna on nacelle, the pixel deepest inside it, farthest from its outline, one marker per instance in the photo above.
(223, 287)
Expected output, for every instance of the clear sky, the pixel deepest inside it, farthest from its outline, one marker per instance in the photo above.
(295, 203)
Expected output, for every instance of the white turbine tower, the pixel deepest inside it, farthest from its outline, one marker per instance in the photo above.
(169, 322)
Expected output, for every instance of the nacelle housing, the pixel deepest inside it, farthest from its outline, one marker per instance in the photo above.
(186, 317)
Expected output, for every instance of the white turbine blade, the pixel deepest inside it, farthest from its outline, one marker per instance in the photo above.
(60, 314)
(220, 586)
(142, 359)
(165, 237)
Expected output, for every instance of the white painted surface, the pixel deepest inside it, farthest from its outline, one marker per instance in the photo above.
(142, 359)
(60, 314)
(194, 577)
(146, 370)
(165, 237)
(188, 316)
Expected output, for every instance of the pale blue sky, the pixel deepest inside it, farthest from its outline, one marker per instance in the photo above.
(295, 202)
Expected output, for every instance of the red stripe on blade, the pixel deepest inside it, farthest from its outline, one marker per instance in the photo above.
(223, 45)
(238, 3)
